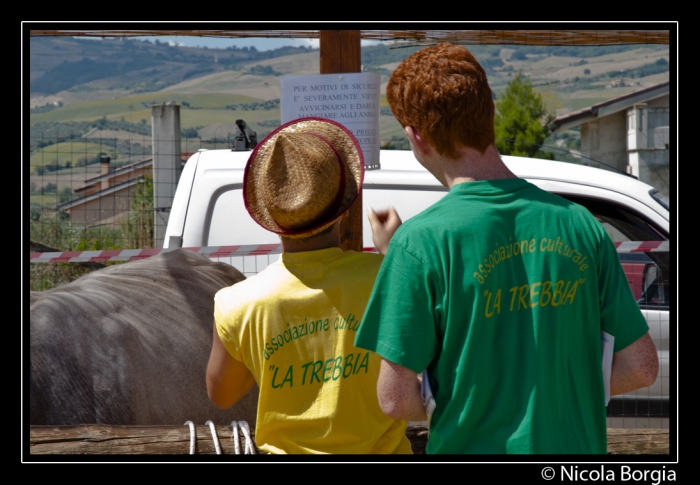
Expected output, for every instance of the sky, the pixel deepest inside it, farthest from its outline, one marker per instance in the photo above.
(260, 44)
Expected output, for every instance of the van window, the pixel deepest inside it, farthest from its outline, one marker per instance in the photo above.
(647, 272)
(231, 225)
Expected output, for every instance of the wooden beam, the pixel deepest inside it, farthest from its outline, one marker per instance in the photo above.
(340, 52)
(409, 38)
(104, 439)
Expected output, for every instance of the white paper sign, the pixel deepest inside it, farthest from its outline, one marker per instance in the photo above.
(607, 342)
(351, 99)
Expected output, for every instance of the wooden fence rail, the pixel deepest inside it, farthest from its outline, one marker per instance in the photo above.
(97, 439)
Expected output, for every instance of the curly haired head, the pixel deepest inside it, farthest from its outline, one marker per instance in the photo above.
(442, 91)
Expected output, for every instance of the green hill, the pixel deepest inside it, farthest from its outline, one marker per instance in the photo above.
(81, 84)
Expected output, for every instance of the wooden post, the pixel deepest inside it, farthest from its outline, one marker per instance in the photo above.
(340, 52)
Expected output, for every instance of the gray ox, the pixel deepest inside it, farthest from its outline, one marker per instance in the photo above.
(129, 344)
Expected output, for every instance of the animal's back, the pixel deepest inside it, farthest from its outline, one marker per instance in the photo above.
(129, 344)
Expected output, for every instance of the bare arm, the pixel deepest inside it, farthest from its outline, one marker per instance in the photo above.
(228, 379)
(384, 225)
(635, 366)
(398, 390)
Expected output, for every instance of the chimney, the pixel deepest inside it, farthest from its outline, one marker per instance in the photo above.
(104, 170)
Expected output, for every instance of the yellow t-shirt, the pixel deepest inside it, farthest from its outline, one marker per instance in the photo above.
(293, 325)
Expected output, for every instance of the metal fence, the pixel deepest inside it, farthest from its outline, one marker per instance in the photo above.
(93, 193)
(96, 194)
(644, 408)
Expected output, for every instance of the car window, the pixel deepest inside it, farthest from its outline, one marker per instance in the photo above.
(647, 272)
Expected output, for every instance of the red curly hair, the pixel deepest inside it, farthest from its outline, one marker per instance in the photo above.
(442, 91)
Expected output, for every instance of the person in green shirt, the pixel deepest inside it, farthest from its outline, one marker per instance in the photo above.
(499, 291)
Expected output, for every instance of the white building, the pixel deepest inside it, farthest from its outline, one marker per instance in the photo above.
(629, 133)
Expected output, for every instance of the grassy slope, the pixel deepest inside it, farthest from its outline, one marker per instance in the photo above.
(562, 94)
(297, 65)
(216, 90)
(71, 151)
(209, 94)
(131, 107)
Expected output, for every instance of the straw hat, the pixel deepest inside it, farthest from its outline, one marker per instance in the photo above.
(303, 176)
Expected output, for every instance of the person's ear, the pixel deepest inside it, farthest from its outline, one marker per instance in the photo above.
(415, 138)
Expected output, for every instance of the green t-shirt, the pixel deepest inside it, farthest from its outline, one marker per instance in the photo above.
(501, 290)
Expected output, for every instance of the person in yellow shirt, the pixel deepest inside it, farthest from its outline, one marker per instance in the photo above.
(291, 328)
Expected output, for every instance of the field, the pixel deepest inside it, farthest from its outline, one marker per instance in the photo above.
(207, 92)
(137, 107)
(69, 152)
(567, 83)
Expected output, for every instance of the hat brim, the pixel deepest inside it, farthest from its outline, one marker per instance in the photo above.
(350, 154)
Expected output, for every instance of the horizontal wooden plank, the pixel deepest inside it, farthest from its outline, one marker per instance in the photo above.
(98, 439)
(638, 441)
(656, 35)
(110, 439)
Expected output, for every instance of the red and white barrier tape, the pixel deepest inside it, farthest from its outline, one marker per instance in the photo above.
(134, 254)
(249, 250)
(642, 246)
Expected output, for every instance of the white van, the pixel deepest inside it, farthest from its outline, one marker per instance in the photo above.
(208, 211)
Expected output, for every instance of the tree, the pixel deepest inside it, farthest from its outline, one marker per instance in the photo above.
(138, 231)
(65, 195)
(522, 120)
(189, 133)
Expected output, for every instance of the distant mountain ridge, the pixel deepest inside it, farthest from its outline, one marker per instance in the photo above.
(89, 98)
(61, 64)
(79, 83)
(58, 64)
